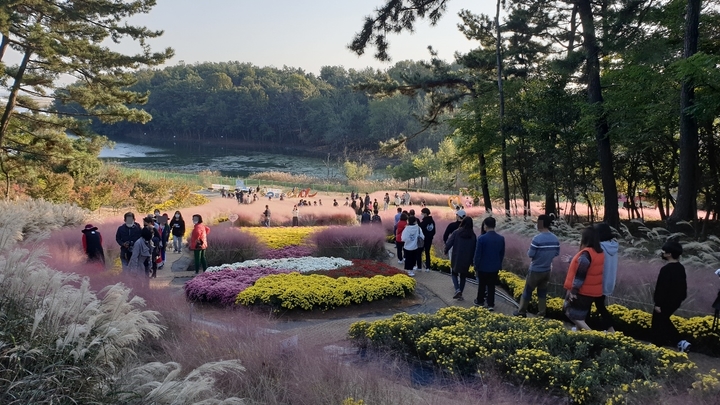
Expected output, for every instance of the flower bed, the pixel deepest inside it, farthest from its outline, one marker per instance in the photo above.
(301, 264)
(351, 242)
(589, 368)
(362, 268)
(632, 322)
(278, 237)
(222, 287)
(308, 292)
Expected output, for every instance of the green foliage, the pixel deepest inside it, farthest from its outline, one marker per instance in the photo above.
(586, 367)
(356, 171)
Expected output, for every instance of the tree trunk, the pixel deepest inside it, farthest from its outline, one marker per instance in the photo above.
(595, 99)
(686, 206)
(4, 46)
(712, 154)
(484, 183)
(12, 98)
(501, 92)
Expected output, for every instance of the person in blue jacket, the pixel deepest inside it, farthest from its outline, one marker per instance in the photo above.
(489, 256)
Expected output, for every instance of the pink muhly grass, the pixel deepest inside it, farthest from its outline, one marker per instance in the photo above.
(223, 286)
(288, 251)
(351, 242)
(227, 244)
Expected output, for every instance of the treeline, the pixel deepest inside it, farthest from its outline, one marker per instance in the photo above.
(233, 101)
(579, 101)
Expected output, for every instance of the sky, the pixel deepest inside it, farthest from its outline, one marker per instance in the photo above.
(307, 34)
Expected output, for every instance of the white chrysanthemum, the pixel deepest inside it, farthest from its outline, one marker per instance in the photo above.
(301, 264)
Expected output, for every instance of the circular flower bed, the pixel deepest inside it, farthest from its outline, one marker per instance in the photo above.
(222, 287)
(301, 264)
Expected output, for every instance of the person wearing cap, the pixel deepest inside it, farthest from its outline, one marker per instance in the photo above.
(92, 244)
(453, 226)
(126, 235)
(544, 247)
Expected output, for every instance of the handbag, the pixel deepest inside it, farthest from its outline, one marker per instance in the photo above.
(420, 242)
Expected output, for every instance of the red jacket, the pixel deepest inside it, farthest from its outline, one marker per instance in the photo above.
(199, 233)
(592, 286)
(398, 233)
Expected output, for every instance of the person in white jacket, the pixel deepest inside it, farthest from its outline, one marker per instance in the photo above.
(414, 242)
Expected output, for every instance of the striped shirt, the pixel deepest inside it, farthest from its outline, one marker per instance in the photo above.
(543, 249)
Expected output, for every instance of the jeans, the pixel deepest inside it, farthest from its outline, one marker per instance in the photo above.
(458, 284)
(399, 247)
(177, 243)
(535, 280)
(200, 260)
(486, 282)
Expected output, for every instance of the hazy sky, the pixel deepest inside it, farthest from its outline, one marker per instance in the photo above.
(298, 33)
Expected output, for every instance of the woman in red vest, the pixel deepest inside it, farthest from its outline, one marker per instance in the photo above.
(584, 278)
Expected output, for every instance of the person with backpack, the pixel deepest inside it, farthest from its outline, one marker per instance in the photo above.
(427, 224)
(177, 228)
(376, 220)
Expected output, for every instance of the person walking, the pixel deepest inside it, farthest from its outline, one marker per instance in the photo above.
(670, 292)
(463, 242)
(489, 256)
(427, 224)
(266, 217)
(295, 215)
(386, 202)
(126, 235)
(544, 247)
(411, 236)
(141, 252)
(177, 228)
(399, 228)
(584, 279)
(92, 245)
(164, 229)
(453, 226)
(376, 220)
(199, 242)
(610, 248)
(365, 217)
(367, 201)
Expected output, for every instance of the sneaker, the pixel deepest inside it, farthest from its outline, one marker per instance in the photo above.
(517, 313)
(457, 295)
(683, 346)
(476, 303)
(415, 268)
(427, 268)
(400, 262)
(411, 273)
(491, 309)
(460, 298)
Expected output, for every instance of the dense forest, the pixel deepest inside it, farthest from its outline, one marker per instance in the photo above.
(235, 101)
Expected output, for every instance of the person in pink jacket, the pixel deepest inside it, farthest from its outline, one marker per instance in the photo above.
(198, 242)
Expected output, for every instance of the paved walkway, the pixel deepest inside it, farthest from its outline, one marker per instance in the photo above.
(434, 291)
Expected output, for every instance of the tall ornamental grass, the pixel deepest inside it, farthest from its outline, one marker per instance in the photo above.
(356, 242)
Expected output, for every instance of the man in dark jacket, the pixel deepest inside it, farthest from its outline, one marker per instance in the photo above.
(462, 242)
(427, 224)
(489, 255)
(365, 217)
(126, 236)
(670, 292)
